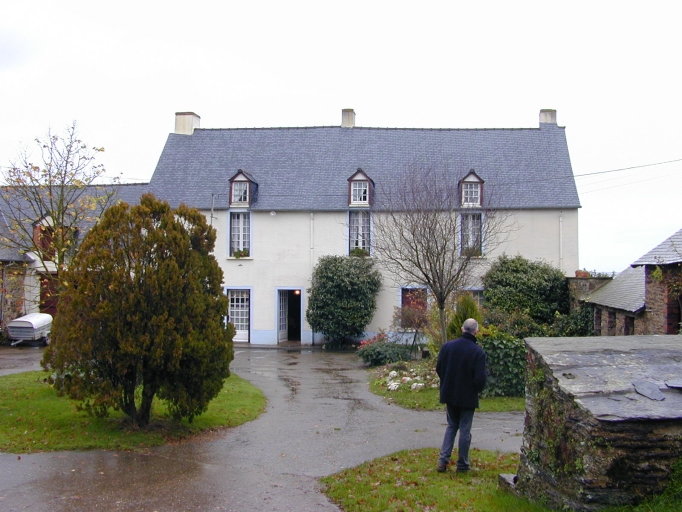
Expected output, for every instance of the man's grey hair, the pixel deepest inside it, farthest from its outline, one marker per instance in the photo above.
(470, 325)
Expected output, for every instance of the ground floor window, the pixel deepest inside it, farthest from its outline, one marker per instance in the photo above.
(477, 296)
(413, 303)
(240, 313)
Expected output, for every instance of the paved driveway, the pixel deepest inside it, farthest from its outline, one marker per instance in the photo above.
(320, 419)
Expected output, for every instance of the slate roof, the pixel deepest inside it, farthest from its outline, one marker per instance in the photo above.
(307, 168)
(626, 291)
(670, 251)
(130, 193)
(7, 253)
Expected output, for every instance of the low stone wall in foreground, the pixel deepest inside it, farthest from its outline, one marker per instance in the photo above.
(603, 420)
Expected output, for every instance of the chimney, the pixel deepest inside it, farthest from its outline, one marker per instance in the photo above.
(347, 118)
(186, 122)
(548, 116)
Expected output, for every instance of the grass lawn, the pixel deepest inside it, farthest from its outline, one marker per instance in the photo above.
(408, 481)
(34, 419)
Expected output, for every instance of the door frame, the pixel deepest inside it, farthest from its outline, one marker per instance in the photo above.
(289, 291)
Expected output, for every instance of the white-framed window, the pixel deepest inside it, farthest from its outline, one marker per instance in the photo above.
(413, 307)
(471, 188)
(477, 295)
(471, 194)
(472, 234)
(239, 313)
(359, 192)
(240, 192)
(240, 234)
(359, 231)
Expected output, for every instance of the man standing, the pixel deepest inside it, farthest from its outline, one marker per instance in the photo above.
(462, 372)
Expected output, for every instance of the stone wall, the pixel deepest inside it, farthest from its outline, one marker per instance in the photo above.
(616, 322)
(573, 457)
(663, 312)
(579, 288)
(12, 301)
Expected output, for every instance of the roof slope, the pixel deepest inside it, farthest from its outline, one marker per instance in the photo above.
(626, 291)
(669, 251)
(307, 168)
(7, 253)
(10, 198)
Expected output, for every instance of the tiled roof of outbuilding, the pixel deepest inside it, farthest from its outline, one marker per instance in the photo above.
(670, 251)
(129, 193)
(7, 253)
(625, 292)
(307, 168)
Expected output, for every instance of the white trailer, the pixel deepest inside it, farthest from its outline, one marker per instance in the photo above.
(32, 327)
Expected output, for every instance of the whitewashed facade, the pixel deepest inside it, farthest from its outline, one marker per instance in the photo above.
(282, 198)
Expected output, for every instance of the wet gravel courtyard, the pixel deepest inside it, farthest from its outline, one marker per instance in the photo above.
(320, 418)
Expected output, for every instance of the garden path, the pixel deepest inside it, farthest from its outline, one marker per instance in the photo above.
(320, 419)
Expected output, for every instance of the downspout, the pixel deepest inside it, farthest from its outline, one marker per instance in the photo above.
(561, 241)
(312, 257)
(312, 241)
(2, 297)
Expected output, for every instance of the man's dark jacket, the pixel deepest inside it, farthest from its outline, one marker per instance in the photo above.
(462, 372)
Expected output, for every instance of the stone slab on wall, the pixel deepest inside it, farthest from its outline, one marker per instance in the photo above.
(592, 438)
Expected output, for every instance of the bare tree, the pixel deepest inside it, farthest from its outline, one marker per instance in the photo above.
(424, 236)
(47, 202)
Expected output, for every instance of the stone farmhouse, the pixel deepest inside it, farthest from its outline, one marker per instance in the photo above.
(280, 198)
(639, 299)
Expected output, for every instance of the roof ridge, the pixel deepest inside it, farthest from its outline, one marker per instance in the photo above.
(365, 128)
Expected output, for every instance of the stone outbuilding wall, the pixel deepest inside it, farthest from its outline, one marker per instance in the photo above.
(662, 310)
(603, 420)
(12, 300)
(580, 288)
(617, 322)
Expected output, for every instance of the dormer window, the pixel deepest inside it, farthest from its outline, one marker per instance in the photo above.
(359, 189)
(472, 190)
(242, 190)
(359, 192)
(471, 194)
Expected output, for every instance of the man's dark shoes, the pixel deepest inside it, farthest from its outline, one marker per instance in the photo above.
(442, 467)
(463, 470)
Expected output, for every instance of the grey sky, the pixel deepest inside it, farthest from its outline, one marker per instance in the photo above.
(610, 69)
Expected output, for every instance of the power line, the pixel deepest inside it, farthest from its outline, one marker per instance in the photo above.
(628, 168)
(626, 184)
